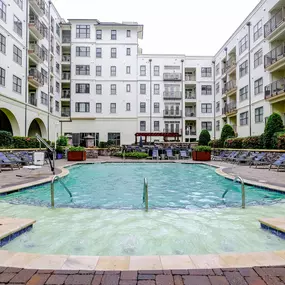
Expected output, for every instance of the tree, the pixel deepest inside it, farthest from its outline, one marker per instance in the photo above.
(204, 138)
(273, 125)
(227, 132)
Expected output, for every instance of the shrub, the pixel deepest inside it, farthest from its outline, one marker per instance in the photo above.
(215, 144)
(275, 139)
(62, 141)
(234, 143)
(204, 137)
(26, 142)
(255, 142)
(76, 148)
(138, 155)
(201, 148)
(227, 132)
(59, 149)
(6, 139)
(274, 125)
(281, 142)
(102, 144)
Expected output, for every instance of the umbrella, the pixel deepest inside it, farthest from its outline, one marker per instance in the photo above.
(141, 142)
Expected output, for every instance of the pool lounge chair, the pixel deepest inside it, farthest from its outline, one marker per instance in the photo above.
(230, 156)
(280, 162)
(25, 157)
(183, 154)
(260, 159)
(245, 157)
(13, 158)
(4, 161)
(233, 157)
(155, 154)
(220, 156)
(169, 154)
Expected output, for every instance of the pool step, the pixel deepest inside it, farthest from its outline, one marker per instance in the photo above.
(275, 225)
(10, 228)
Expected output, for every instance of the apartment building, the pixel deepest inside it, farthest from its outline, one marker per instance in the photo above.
(86, 77)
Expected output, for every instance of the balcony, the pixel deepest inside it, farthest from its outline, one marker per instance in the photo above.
(65, 94)
(51, 69)
(36, 27)
(172, 113)
(172, 76)
(189, 95)
(191, 77)
(275, 26)
(36, 53)
(172, 95)
(51, 89)
(65, 112)
(35, 77)
(33, 99)
(231, 88)
(231, 65)
(231, 109)
(275, 91)
(190, 133)
(224, 70)
(275, 59)
(66, 58)
(37, 6)
(65, 76)
(190, 113)
(172, 131)
(51, 109)
(66, 40)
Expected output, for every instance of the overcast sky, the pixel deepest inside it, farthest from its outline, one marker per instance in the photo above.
(191, 27)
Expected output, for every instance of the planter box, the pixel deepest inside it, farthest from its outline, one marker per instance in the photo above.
(201, 155)
(76, 155)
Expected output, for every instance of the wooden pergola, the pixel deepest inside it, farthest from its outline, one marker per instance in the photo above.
(164, 135)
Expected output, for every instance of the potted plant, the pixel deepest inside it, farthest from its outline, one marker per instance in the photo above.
(59, 152)
(76, 153)
(201, 153)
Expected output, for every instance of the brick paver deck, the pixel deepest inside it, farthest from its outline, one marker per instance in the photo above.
(230, 276)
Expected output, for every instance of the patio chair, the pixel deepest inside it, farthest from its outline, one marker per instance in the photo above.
(245, 157)
(260, 159)
(230, 156)
(280, 162)
(169, 154)
(25, 157)
(220, 156)
(4, 161)
(155, 154)
(13, 158)
(183, 154)
(233, 157)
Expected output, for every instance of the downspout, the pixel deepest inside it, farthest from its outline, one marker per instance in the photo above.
(249, 78)
(27, 66)
(183, 102)
(214, 107)
(49, 45)
(150, 94)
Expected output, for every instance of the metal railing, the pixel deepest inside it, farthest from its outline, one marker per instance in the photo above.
(275, 21)
(145, 194)
(33, 20)
(230, 63)
(275, 88)
(66, 57)
(172, 76)
(66, 40)
(230, 85)
(172, 95)
(37, 50)
(230, 107)
(65, 93)
(190, 114)
(33, 100)
(190, 133)
(190, 95)
(51, 89)
(172, 113)
(274, 55)
(172, 131)
(190, 77)
(65, 112)
(65, 76)
(36, 75)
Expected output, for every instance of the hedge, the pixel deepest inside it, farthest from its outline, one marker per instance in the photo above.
(234, 143)
(227, 132)
(138, 155)
(255, 142)
(216, 144)
(6, 139)
(281, 142)
(273, 125)
(22, 142)
(204, 138)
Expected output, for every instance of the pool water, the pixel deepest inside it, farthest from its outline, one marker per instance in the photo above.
(120, 186)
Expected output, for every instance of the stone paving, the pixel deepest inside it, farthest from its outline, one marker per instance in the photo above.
(230, 276)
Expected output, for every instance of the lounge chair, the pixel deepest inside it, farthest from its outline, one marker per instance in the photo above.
(260, 159)
(169, 154)
(13, 158)
(155, 154)
(4, 161)
(280, 162)
(233, 157)
(25, 157)
(220, 156)
(245, 157)
(183, 154)
(230, 156)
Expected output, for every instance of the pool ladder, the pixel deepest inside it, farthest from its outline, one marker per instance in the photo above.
(52, 189)
(145, 194)
(238, 178)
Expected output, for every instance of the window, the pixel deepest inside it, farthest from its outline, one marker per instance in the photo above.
(113, 71)
(98, 70)
(2, 76)
(156, 89)
(142, 126)
(243, 44)
(128, 33)
(206, 108)
(83, 51)
(82, 88)
(217, 69)
(115, 138)
(258, 86)
(128, 106)
(57, 49)
(128, 70)
(113, 108)
(156, 126)
(17, 84)
(2, 44)
(218, 87)
(56, 106)
(206, 71)
(98, 52)
(98, 89)
(113, 89)
(113, 34)
(142, 88)
(218, 106)
(18, 26)
(156, 107)
(243, 93)
(142, 70)
(52, 23)
(207, 126)
(128, 88)
(2, 10)
(57, 29)
(44, 98)
(259, 115)
(82, 69)
(142, 107)
(258, 58)
(113, 52)
(206, 90)
(19, 3)
(83, 31)
(82, 107)
(243, 118)
(217, 125)
(156, 70)
(128, 51)
(243, 69)
(44, 75)
(57, 68)
(98, 107)
(257, 31)
(98, 34)
(57, 87)
(17, 55)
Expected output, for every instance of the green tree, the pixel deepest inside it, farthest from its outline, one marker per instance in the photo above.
(6, 139)
(273, 125)
(204, 138)
(227, 132)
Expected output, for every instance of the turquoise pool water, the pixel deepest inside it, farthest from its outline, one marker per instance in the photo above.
(120, 186)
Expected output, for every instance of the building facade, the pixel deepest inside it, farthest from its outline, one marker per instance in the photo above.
(86, 77)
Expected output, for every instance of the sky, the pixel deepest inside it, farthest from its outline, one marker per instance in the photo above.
(191, 27)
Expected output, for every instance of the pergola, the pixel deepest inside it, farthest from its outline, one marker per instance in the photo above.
(164, 135)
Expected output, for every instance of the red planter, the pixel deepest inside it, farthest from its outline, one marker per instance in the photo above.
(201, 155)
(76, 155)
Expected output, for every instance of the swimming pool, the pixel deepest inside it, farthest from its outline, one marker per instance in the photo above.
(120, 186)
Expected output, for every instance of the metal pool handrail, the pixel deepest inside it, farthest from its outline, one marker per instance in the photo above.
(145, 194)
(238, 178)
(52, 189)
